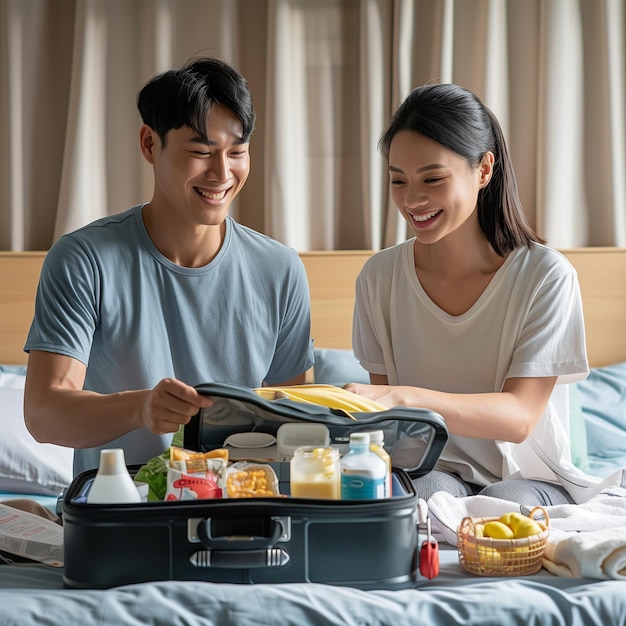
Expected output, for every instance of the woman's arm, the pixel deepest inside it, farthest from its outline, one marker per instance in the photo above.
(509, 415)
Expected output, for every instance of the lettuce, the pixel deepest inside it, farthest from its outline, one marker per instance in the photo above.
(154, 472)
(179, 437)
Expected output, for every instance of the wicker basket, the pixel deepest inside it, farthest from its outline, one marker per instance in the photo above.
(501, 557)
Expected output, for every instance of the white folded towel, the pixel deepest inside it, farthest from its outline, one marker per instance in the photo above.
(447, 512)
(591, 554)
(605, 510)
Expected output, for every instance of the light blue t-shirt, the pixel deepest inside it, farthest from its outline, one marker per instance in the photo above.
(110, 299)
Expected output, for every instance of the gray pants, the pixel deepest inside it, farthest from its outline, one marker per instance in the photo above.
(528, 492)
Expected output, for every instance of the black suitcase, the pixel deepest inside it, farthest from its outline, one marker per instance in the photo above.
(368, 544)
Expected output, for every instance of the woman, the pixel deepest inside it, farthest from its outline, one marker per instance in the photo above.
(473, 317)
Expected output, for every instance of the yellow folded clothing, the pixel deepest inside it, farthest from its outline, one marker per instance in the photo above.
(323, 395)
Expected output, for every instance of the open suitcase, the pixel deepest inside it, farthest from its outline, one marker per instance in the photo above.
(368, 544)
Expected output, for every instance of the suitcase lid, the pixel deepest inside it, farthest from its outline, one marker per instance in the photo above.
(414, 437)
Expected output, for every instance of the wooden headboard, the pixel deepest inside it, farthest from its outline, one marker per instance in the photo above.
(601, 271)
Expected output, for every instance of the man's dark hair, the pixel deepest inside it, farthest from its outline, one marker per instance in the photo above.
(185, 96)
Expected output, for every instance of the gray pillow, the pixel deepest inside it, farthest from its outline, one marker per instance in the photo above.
(338, 367)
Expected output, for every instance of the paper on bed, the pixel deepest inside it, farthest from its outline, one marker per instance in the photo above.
(30, 536)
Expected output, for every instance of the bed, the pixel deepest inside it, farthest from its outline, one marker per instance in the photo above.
(33, 593)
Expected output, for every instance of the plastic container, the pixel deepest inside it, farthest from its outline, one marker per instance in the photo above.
(314, 473)
(292, 435)
(113, 483)
(363, 473)
(377, 443)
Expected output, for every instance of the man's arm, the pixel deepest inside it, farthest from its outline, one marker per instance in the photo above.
(58, 410)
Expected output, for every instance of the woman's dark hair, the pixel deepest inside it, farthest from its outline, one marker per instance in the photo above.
(455, 118)
(184, 97)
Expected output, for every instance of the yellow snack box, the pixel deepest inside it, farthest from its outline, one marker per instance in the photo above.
(251, 480)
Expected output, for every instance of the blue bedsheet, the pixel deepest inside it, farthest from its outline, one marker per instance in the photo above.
(34, 595)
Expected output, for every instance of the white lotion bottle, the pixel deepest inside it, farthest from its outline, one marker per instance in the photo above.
(113, 483)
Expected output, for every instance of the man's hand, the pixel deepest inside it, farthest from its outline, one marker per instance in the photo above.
(170, 404)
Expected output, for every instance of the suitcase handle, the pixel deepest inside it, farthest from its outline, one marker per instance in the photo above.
(238, 542)
(240, 559)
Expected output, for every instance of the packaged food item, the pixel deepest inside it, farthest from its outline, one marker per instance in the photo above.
(180, 454)
(251, 480)
(195, 479)
(154, 472)
(314, 473)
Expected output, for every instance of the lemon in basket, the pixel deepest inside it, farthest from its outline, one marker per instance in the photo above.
(497, 530)
(527, 528)
(521, 525)
(510, 519)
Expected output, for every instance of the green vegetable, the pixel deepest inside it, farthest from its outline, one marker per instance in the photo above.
(179, 437)
(154, 472)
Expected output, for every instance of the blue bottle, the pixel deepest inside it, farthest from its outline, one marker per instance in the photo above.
(363, 473)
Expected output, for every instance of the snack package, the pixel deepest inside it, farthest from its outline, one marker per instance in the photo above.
(180, 454)
(155, 471)
(195, 479)
(251, 480)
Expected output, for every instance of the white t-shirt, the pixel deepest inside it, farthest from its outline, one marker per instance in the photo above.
(527, 322)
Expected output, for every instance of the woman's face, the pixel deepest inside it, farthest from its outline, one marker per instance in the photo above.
(435, 189)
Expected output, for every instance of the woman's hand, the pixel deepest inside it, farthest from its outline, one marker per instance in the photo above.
(386, 395)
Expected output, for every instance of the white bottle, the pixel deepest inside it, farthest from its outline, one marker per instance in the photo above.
(113, 483)
(377, 446)
(362, 472)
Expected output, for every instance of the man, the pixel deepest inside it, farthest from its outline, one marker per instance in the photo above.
(135, 309)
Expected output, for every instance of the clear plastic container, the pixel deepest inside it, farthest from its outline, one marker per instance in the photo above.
(314, 473)
(377, 443)
(363, 473)
(291, 436)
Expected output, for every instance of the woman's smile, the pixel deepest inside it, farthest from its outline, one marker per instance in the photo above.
(423, 220)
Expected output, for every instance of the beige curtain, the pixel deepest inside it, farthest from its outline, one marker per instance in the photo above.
(325, 75)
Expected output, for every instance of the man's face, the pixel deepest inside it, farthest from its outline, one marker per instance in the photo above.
(197, 178)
